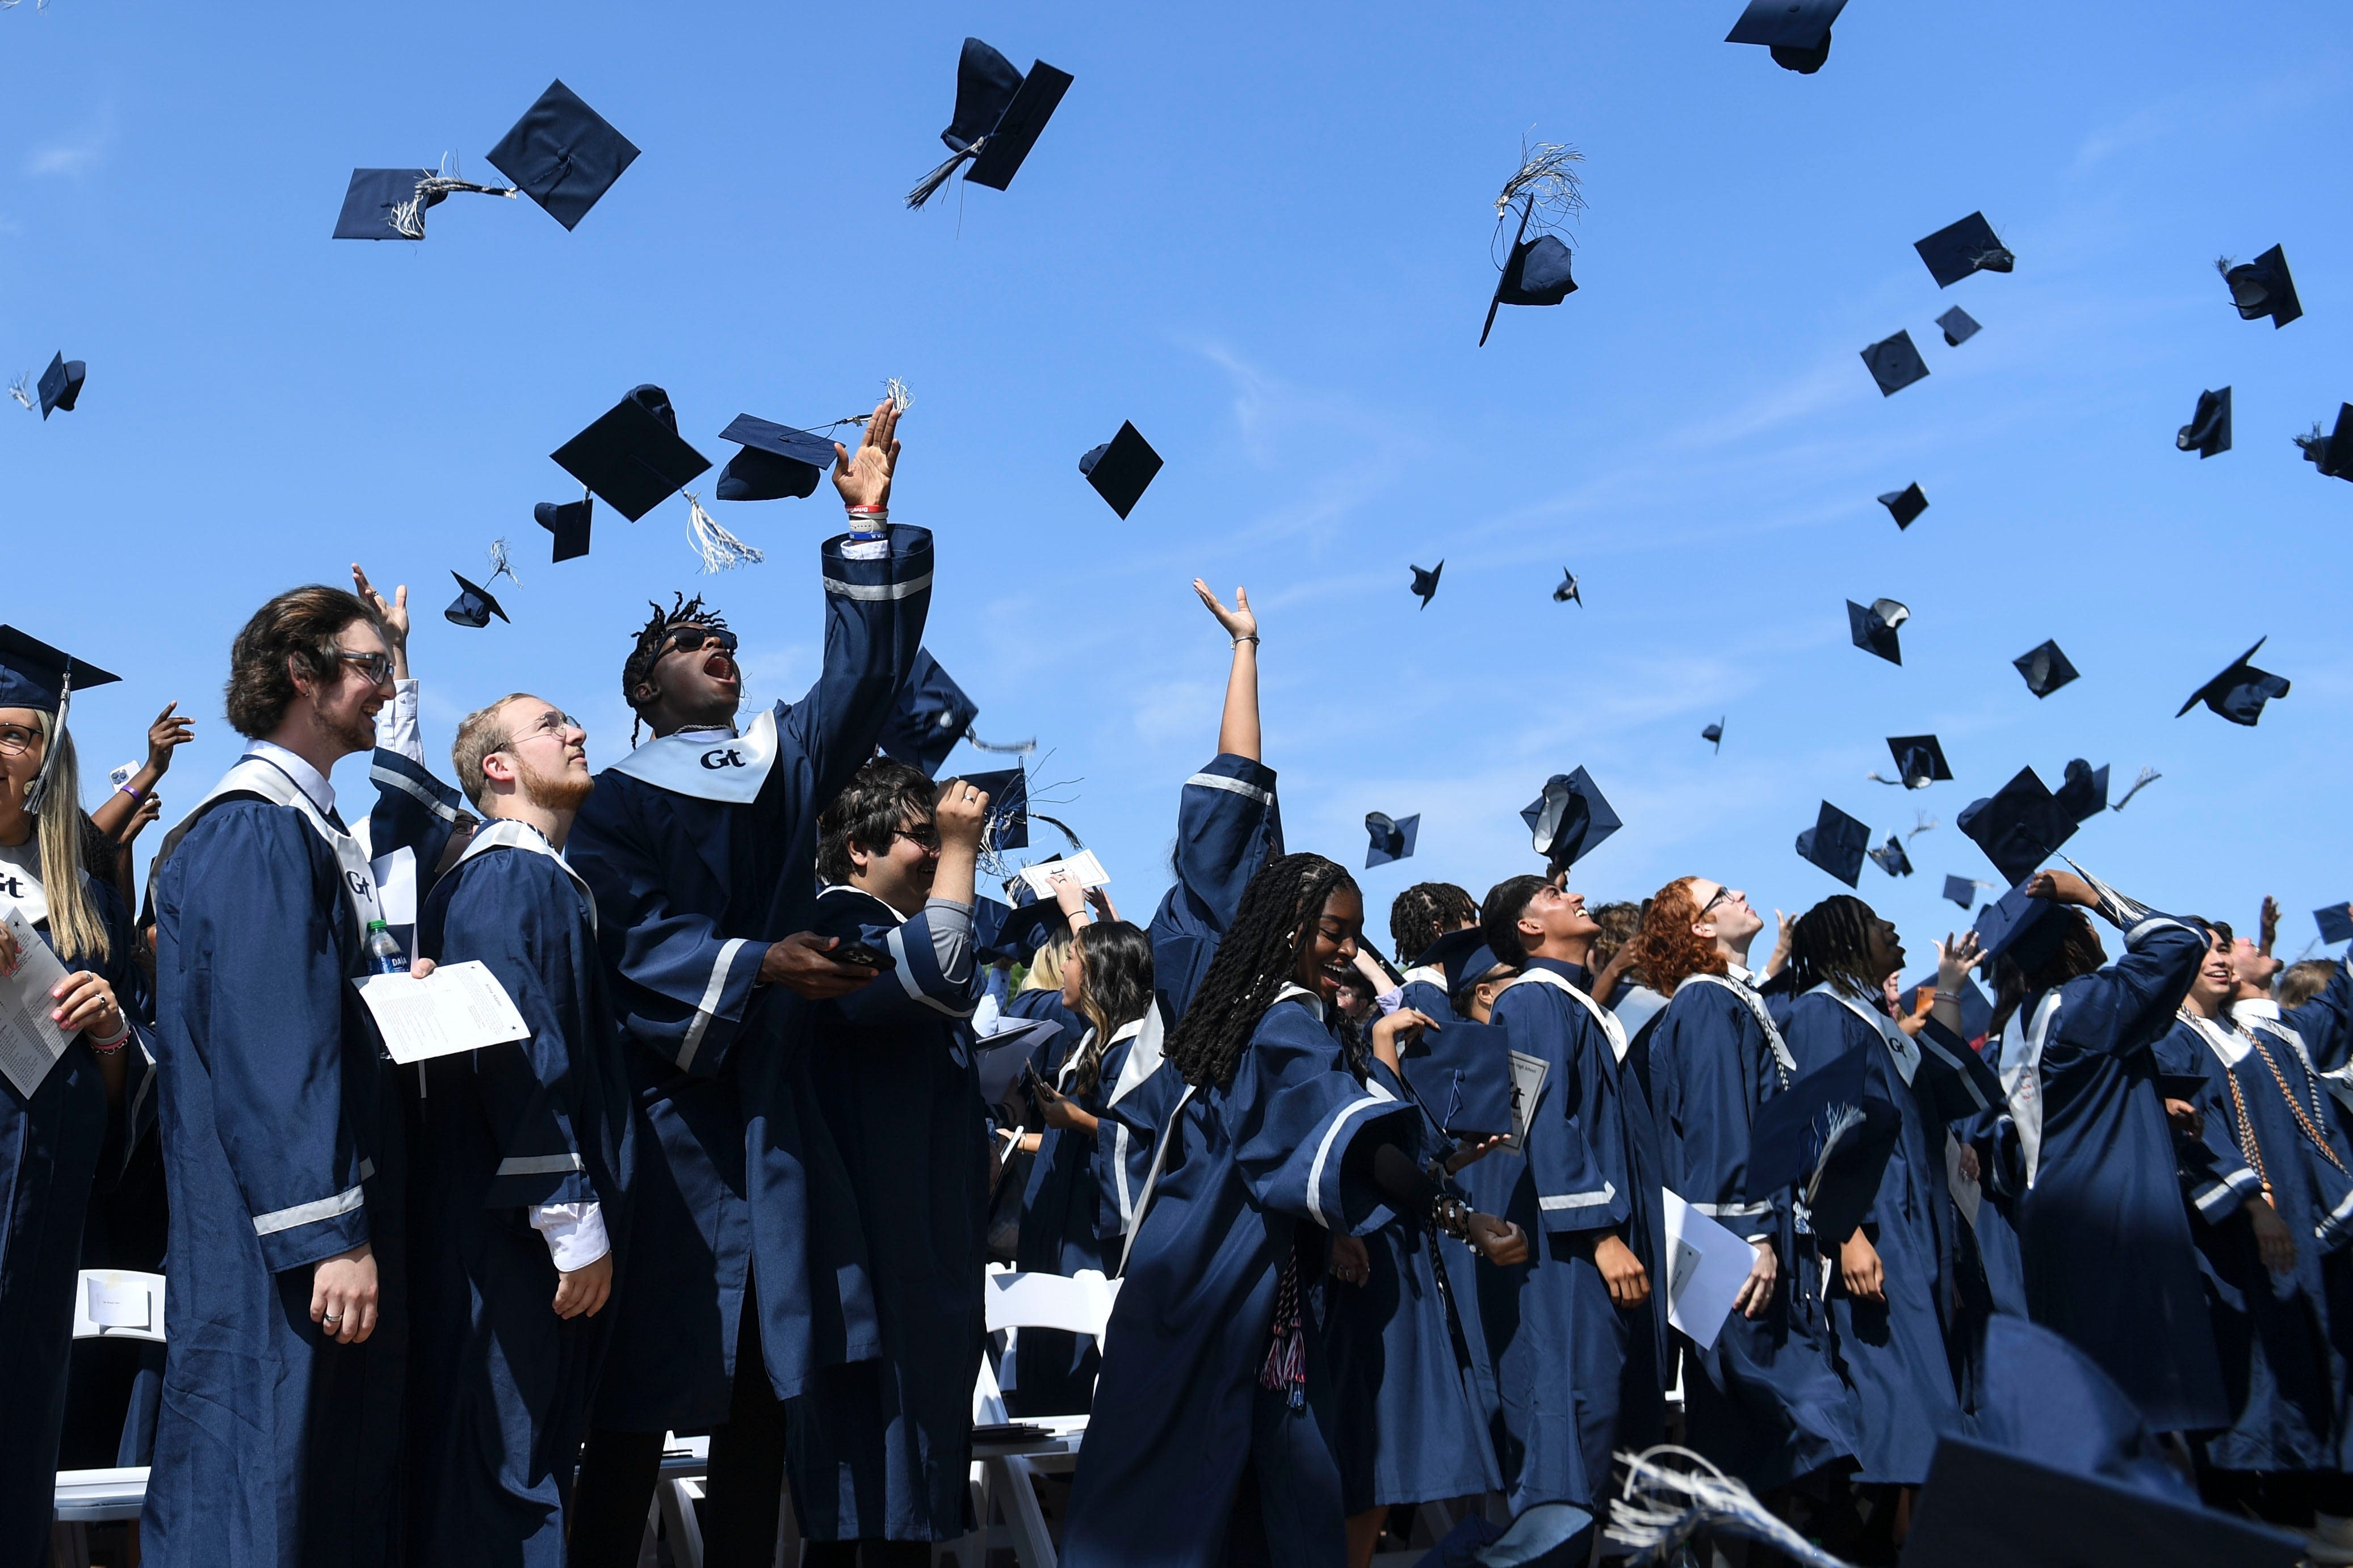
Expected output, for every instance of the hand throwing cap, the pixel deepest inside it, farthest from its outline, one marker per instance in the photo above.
(563, 155)
(1008, 790)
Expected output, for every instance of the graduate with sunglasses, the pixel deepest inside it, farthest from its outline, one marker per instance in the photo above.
(701, 849)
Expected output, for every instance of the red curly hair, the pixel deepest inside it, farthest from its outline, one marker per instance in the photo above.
(1670, 952)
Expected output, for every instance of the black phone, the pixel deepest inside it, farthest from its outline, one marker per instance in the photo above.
(860, 953)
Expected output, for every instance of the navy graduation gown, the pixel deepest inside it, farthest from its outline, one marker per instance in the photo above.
(57, 1146)
(1897, 1358)
(283, 1145)
(732, 1176)
(884, 1450)
(1765, 1404)
(2109, 1261)
(499, 1384)
(1068, 1224)
(1228, 826)
(1577, 1376)
(1186, 1452)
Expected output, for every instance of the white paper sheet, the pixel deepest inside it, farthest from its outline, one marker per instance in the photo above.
(30, 1043)
(1082, 866)
(458, 1007)
(1527, 1083)
(396, 886)
(120, 1301)
(1707, 1266)
(1967, 1192)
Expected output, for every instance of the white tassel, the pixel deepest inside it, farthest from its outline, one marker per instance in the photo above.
(929, 185)
(721, 551)
(1660, 1507)
(1015, 749)
(500, 565)
(37, 793)
(16, 387)
(1843, 1120)
(2147, 777)
(900, 398)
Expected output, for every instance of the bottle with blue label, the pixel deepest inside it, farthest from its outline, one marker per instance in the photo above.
(385, 957)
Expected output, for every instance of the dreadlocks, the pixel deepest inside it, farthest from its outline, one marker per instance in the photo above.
(1426, 911)
(1831, 942)
(1259, 954)
(638, 667)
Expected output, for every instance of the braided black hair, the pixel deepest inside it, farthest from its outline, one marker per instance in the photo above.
(1426, 911)
(1831, 941)
(1258, 955)
(638, 667)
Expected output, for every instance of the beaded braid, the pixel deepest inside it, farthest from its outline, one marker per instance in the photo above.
(1258, 954)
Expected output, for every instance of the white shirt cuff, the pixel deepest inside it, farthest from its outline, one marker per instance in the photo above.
(401, 735)
(574, 1234)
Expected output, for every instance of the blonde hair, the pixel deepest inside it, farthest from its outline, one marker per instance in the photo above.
(476, 740)
(1046, 965)
(75, 928)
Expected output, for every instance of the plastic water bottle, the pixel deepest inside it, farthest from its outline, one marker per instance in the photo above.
(385, 957)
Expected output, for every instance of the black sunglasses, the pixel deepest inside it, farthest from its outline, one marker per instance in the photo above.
(688, 639)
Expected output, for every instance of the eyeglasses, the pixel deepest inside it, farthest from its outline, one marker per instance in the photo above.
(690, 639)
(377, 667)
(549, 723)
(15, 740)
(926, 838)
(1721, 894)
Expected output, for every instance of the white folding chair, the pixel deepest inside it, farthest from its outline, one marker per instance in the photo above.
(109, 1304)
(114, 1304)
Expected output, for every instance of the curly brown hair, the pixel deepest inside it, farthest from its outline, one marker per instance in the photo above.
(1668, 950)
(293, 633)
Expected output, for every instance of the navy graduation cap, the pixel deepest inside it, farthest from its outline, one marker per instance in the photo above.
(1568, 819)
(1008, 790)
(2046, 669)
(1714, 733)
(1961, 890)
(1797, 32)
(1836, 843)
(1462, 1074)
(633, 456)
(391, 203)
(563, 155)
(777, 462)
(2208, 430)
(2240, 693)
(2014, 924)
(1536, 271)
(568, 520)
(474, 605)
(1905, 504)
(931, 716)
(2084, 794)
(1828, 1136)
(2331, 454)
(1958, 250)
(2335, 922)
(44, 679)
(1959, 326)
(1874, 628)
(1894, 363)
(1425, 582)
(1392, 838)
(1566, 590)
(1889, 858)
(1919, 762)
(2019, 826)
(999, 113)
(60, 385)
(2261, 288)
(1121, 468)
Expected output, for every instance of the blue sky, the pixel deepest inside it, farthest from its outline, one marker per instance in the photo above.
(1263, 235)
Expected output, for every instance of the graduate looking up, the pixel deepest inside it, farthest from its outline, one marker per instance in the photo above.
(701, 849)
(281, 1128)
(523, 1153)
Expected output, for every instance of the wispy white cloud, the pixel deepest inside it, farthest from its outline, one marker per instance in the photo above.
(74, 155)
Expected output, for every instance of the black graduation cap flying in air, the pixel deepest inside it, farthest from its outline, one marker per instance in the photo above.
(931, 714)
(1905, 504)
(1874, 628)
(2083, 794)
(633, 458)
(44, 679)
(1568, 818)
(2019, 826)
(777, 462)
(568, 520)
(1536, 271)
(1894, 363)
(1960, 248)
(474, 605)
(1796, 31)
(564, 155)
(2262, 287)
(1425, 582)
(1392, 838)
(1959, 326)
(1836, 843)
(391, 203)
(1919, 762)
(1889, 858)
(1122, 469)
(2332, 454)
(999, 113)
(2240, 693)
(2208, 430)
(1714, 733)
(2046, 669)
(1962, 891)
(59, 389)
(2335, 922)
(1566, 590)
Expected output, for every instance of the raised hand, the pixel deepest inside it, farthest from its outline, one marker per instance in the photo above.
(391, 615)
(1955, 956)
(961, 815)
(2062, 887)
(1239, 621)
(169, 731)
(865, 479)
(2267, 926)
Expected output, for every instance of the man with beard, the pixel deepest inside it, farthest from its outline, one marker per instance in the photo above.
(281, 1424)
(748, 1270)
(522, 1155)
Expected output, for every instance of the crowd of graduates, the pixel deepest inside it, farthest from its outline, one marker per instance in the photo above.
(742, 1177)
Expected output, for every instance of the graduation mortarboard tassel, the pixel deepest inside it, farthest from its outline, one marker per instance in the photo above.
(633, 458)
(1905, 504)
(999, 113)
(474, 605)
(1959, 326)
(1894, 363)
(1007, 826)
(1425, 582)
(1536, 271)
(2261, 288)
(1874, 628)
(2240, 693)
(391, 203)
(1797, 32)
(2046, 669)
(1122, 469)
(2208, 430)
(564, 155)
(568, 522)
(1836, 843)
(1566, 591)
(1713, 735)
(1392, 838)
(1957, 249)
(2147, 777)
(2331, 454)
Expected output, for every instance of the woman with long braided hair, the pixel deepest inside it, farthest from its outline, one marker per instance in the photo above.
(1208, 1442)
